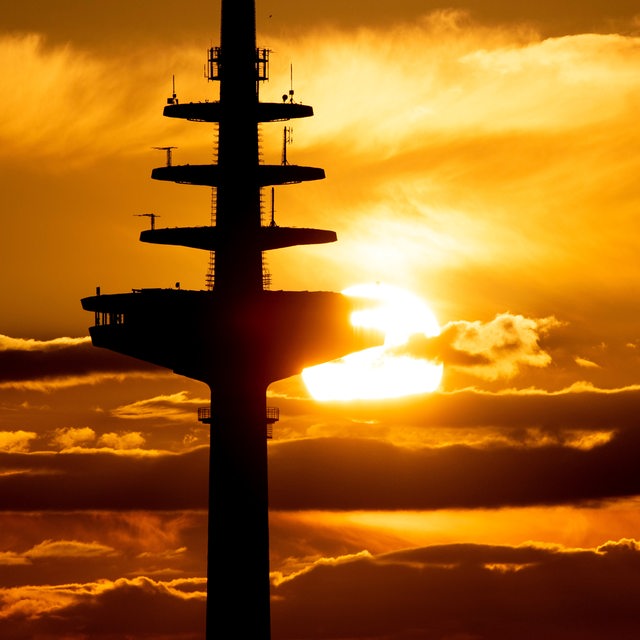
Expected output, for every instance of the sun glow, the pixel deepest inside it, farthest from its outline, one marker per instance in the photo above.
(381, 372)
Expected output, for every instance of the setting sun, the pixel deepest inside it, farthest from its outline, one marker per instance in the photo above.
(381, 372)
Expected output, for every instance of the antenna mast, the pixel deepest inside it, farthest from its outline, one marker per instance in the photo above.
(286, 140)
(173, 99)
(273, 208)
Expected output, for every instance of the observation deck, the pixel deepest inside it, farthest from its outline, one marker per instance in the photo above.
(205, 336)
(210, 238)
(209, 175)
(210, 111)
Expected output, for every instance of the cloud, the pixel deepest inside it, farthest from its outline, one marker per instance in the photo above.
(507, 412)
(277, 577)
(10, 558)
(487, 426)
(146, 608)
(468, 145)
(351, 474)
(50, 364)
(16, 441)
(7, 343)
(68, 549)
(93, 126)
(466, 591)
(588, 364)
(463, 67)
(53, 547)
(442, 591)
(69, 437)
(122, 441)
(490, 350)
(455, 450)
(105, 479)
(176, 406)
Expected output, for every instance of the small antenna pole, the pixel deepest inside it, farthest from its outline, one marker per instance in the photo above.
(273, 208)
(286, 139)
(174, 98)
(291, 83)
(284, 146)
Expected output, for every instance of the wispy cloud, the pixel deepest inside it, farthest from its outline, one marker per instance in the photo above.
(7, 343)
(67, 549)
(47, 365)
(105, 478)
(78, 116)
(473, 79)
(177, 406)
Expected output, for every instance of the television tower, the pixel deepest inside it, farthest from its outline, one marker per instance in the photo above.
(238, 336)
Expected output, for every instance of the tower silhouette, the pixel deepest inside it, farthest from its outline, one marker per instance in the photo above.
(237, 336)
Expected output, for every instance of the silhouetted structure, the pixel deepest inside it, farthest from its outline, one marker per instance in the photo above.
(237, 337)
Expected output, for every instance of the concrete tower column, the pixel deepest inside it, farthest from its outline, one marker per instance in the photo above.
(238, 550)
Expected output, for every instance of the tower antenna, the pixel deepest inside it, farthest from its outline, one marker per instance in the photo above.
(291, 83)
(273, 208)
(287, 138)
(173, 99)
(151, 216)
(169, 155)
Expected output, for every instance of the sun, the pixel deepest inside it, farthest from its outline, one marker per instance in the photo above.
(380, 372)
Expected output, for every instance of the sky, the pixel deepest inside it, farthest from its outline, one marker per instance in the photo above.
(480, 154)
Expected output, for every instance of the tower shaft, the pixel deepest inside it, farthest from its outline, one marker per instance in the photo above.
(238, 548)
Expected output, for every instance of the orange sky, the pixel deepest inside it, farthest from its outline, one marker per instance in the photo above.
(480, 154)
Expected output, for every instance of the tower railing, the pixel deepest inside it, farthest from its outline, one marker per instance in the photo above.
(272, 415)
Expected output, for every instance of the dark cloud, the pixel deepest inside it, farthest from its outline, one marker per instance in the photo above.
(121, 21)
(441, 349)
(333, 474)
(580, 407)
(140, 608)
(466, 591)
(47, 361)
(441, 592)
(104, 480)
(37, 548)
(125, 608)
(347, 473)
